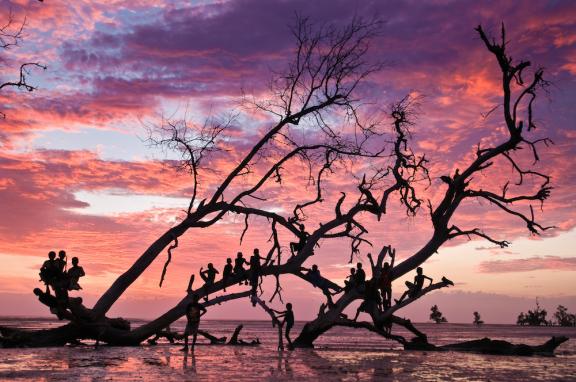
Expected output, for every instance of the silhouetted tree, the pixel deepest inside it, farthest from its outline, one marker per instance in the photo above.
(319, 86)
(563, 317)
(536, 317)
(436, 315)
(477, 319)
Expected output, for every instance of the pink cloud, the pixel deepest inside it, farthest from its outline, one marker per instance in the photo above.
(115, 68)
(529, 264)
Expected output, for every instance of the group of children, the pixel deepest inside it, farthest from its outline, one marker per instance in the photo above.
(55, 274)
(377, 292)
(250, 276)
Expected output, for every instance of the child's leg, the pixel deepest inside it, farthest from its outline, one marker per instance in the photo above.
(186, 333)
(288, 328)
(402, 297)
(194, 338)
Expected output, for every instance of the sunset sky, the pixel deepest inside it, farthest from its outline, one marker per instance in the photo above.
(77, 174)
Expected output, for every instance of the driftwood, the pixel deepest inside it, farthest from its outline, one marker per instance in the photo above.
(235, 341)
(495, 347)
(173, 336)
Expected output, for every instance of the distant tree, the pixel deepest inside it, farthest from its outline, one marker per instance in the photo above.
(436, 315)
(563, 318)
(536, 317)
(477, 319)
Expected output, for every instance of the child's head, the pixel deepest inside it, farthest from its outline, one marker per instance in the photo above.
(38, 291)
(239, 255)
(74, 261)
(352, 271)
(51, 255)
(62, 254)
(228, 260)
(289, 306)
(314, 267)
(359, 265)
(256, 251)
(419, 270)
(210, 265)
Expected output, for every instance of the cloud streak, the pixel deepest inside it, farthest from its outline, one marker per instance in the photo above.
(529, 264)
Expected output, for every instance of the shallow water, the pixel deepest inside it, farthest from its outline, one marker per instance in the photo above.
(341, 355)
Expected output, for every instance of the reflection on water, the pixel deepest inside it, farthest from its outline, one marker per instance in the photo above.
(191, 367)
(342, 355)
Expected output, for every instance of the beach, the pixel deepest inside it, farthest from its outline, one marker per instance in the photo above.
(342, 354)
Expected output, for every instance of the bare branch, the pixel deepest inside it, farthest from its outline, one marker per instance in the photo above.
(455, 232)
(165, 268)
(11, 34)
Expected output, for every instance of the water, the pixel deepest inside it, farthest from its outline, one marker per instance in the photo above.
(342, 354)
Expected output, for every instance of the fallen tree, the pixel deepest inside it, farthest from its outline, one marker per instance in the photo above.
(319, 85)
(494, 347)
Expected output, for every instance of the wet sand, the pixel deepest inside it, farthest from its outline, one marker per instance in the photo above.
(341, 355)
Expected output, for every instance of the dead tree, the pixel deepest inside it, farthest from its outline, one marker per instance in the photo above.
(518, 97)
(320, 82)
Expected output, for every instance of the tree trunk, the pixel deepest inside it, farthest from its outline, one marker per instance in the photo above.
(310, 333)
(147, 330)
(60, 336)
(127, 278)
(324, 322)
(438, 238)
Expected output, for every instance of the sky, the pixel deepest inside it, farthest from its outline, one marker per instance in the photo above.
(77, 173)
